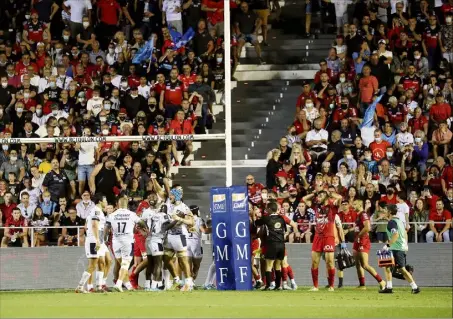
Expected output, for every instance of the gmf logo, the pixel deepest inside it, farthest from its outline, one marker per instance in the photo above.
(219, 203)
(239, 201)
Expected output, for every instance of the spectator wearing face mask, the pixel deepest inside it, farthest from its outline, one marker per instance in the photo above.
(13, 165)
(48, 207)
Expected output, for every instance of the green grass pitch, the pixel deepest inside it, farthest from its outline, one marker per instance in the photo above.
(344, 303)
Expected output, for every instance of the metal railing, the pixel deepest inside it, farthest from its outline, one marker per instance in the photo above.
(32, 228)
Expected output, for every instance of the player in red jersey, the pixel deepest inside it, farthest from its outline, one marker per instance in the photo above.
(12, 234)
(362, 245)
(326, 220)
(255, 245)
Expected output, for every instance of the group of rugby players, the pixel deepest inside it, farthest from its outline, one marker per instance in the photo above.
(269, 228)
(164, 236)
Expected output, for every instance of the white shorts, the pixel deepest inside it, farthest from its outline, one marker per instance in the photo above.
(176, 243)
(122, 249)
(194, 248)
(103, 250)
(90, 247)
(154, 246)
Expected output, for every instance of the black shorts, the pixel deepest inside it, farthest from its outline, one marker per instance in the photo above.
(400, 258)
(275, 251)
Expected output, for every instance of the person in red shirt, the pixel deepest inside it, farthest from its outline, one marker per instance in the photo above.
(344, 110)
(109, 13)
(6, 209)
(390, 198)
(430, 41)
(418, 122)
(22, 65)
(362, 247)
(254, 190)
(439, 224)
(301, 124)
(34, 30)
(307, 93)
(440, 111)
(173, 93)
(324, 69)
(446, 174)
(411, 81)
(187, 78)
(326, 221)
(379, 146)
(348, 217)
(183, 126)
(12, 234)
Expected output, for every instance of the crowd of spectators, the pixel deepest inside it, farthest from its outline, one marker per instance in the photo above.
(375, 124)
(67, 69)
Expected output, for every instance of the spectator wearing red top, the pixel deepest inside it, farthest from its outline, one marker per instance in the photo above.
(418, 122)
(324, 69)
(35, 31)
(411, 81)
(368, 87)
(345, 111)
(379, 146)
(301, 124)
(173, 93)
(254, 190)
(307, 93)
(441, 139)
(430, 41)
(390, 198)
(12, 234)
(440, 111)
(187, 77)
(446, 174)
(439, 224)
(429, 197)
(6, 209)
(109, 13)
(22, 66)
(182, 126)
(396, 112)
(281, 188)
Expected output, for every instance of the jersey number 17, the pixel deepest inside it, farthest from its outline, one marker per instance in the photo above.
(123, 224)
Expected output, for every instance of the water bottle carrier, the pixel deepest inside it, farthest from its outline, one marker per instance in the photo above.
(385, 259)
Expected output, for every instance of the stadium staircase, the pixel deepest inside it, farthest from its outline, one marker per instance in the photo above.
(263, 105)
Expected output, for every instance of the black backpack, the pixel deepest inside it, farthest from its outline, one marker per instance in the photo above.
(345, 259)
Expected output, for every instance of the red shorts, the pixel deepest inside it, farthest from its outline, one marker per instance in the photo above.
(363, 247)
(139, 245)
(255, 246)
(323, 244)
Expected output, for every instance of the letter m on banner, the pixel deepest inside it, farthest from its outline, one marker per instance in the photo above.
(231, 238)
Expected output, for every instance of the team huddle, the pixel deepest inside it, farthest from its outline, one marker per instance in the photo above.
(164, 239)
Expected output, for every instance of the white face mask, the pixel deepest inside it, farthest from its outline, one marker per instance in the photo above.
(4, 84)
(105, 132)
(389, 154)
(342, 79)
(448, 20)
(111, 50)
(102, 119)
(27, 16)
(368, 158)
(5, 147)
(134, 95)
(264, 195)
(26, 95)
(378, 139)
(39, 112)
(107, 107)
(55, 112)
(417, 57)
(219, 60)
(66, 37)
(58, 50)
(349, 156)
(52, 84)
(86, 24)
(309, 105)
(19, 110)
(124, 84)
(13, 158)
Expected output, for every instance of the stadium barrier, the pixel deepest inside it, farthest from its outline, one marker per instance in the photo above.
(61, 268)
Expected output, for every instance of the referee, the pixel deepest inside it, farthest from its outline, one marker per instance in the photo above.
(275, 225)
(397, 244)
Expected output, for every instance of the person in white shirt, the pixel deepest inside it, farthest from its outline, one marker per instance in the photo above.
(57, 113)
(63, 81)
(144, 89)
(341, 12)
(33, 192)
(173, 16)
(403, 209)
(94, 105)
(77, 9)
(37, 178)
(316, 141)
(26, 209)
(121, 224)
(87, 157)
(43, 82)
(85, 206)
(404, 138)
(310, 110)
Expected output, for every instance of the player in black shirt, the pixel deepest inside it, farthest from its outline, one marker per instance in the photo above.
(275, 225)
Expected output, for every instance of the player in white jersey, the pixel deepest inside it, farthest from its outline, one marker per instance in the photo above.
(121, 224)
(176, 241)
(194, 245)
(158, 222)
(92, 246)
(104, 258)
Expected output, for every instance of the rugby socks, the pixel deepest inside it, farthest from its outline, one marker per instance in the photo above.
(331, 278)
(413, 285)
(340, 281)
(154, 284)
(290, 273)
(273, 275)
(389, 284)
(257, 277)
(278, 278)
(128, 285)
(167, 278)
(119, 283)
(189, 281)
(362, 281)
(314, 277)
(268, 279)
(148, 284)
(211, 275)
(84, 279)
(89, 287)
(285, 274)
(99, 278)
(377, 277)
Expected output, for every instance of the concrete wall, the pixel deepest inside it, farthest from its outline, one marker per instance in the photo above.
(61, 268)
